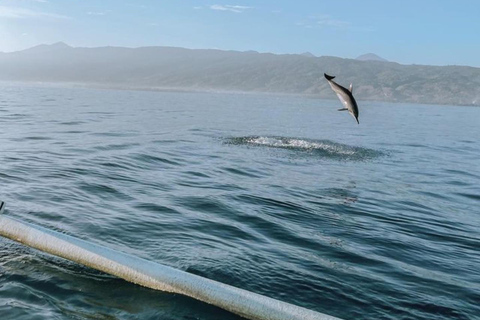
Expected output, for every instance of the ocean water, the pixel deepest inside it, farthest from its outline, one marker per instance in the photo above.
(280, 195)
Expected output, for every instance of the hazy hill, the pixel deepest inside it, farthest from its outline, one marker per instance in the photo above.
(308, 54)
(185, 69)
(371, 57)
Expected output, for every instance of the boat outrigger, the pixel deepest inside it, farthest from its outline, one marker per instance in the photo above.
(153, 275)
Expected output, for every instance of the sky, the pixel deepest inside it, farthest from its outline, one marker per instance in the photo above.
(440, 32)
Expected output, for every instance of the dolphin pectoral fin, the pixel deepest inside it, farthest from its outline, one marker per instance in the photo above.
(343, 109)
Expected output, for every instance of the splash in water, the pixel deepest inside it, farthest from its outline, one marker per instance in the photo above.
(323, 148)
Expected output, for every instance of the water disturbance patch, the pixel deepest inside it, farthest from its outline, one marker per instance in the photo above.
(321, 148)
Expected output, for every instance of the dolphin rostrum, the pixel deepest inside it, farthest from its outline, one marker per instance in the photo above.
(345, 96)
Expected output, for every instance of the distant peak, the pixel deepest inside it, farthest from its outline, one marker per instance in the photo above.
(308, 54)
(371, 57)
(48, 47)
(60, 44)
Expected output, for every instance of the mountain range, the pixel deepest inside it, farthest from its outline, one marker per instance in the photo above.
(171, 68)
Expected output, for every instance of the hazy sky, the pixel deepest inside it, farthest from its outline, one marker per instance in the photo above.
(438, 32)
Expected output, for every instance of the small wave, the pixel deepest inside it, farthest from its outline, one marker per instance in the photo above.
(325, 148)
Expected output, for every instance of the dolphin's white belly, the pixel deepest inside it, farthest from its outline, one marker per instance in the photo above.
(345, 103)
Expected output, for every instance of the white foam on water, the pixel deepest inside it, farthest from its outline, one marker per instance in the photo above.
(300, 144)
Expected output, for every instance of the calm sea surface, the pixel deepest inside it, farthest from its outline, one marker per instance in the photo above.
(280, 195)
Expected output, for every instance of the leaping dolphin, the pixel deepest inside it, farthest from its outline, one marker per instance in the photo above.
(345, 96)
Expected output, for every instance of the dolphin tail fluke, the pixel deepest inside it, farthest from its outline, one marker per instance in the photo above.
(328, 77)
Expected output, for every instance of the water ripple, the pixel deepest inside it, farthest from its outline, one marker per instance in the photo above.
(377, 221)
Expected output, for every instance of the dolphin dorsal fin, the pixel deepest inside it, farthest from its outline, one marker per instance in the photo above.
(351, 87)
